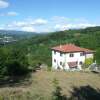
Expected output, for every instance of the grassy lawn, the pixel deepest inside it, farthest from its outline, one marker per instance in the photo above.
(43, 84)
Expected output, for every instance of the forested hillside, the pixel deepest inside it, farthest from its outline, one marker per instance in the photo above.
(28, 53)
(40, 45)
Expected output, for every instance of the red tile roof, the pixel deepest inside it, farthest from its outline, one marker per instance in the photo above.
(71, 48)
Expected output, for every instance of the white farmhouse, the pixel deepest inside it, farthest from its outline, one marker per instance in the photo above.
(69, 57)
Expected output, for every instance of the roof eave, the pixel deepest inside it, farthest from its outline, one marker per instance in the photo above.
(73, 51)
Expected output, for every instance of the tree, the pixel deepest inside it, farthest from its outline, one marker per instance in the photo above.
(97, 56)
(3, 58)
(13, 62)
(15, 68)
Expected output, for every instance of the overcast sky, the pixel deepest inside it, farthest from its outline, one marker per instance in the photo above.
(48, 15)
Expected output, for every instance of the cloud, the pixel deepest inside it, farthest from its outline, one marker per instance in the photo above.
(66, 20)
(12, 13)
(63, 23)
(9, 14)
(60, 19)
(80, 20)
(55, 23)
(26, 25)
(28, 29)
(18, 24)
(60, 27)
(3, 4)
(39, 22)
(29, 22)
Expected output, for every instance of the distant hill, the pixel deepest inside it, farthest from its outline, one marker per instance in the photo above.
(16, 34)
(9, 36)
(88, 37)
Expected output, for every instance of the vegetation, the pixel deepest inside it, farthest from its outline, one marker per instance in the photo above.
(55, 86)
(88, 62)
(40, 45)
(97, 55)
(13, 62)
(18, 58)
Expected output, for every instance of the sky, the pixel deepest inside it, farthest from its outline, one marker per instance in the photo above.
(48, 15)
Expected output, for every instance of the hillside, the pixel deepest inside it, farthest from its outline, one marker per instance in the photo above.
(13, 32)
(36, 50)
(15, 35)
(38, 46)
(19, 59)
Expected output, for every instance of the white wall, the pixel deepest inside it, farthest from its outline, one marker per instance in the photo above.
(89, 55)
(58, 60)
(65, 58)
(76, 57)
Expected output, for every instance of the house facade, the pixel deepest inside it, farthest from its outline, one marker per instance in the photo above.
(70, 57)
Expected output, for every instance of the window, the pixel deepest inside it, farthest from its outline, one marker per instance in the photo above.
(81, 63)
(60, 63)
(82, 54)
(54, 60)
(71, 55)
(54, 52)
(61, 54)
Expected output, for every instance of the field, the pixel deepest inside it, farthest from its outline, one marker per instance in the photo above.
(45, 84)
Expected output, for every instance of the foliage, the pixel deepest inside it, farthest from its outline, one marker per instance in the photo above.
(13, 62)
(14, 68)
(37, 49)
(97, 55)
(88, 61)
(57, 93)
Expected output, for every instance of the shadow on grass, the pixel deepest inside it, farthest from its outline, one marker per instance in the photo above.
(57, 95)
(85, 93)
(95, 72)
(82, 93)
(15, 81)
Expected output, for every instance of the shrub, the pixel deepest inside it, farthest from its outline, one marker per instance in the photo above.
(88, 62)
(15, 68)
